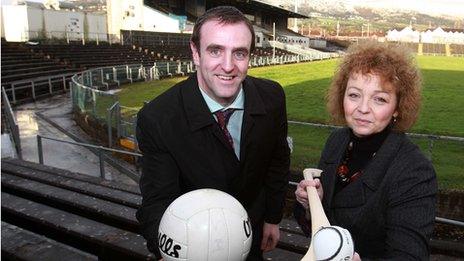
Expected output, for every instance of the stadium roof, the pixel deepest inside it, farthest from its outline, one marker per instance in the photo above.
(258, 5)
(289, 13)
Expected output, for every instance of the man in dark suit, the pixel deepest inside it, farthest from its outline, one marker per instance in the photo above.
(218, 129)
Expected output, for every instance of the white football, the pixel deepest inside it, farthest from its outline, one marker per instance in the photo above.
(333, 243)
(205, 224)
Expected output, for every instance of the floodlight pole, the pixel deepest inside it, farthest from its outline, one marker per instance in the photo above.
(295, 26)
(273, 39)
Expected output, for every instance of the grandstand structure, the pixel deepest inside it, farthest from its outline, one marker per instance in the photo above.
(43, 45)
(438, 41)
(432, 36)
(53, 48)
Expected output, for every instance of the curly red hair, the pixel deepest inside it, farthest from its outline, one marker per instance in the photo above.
(395, 65)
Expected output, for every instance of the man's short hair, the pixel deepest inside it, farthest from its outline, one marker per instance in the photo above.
(224, 15)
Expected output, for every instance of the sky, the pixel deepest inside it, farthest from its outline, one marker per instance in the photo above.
(434, 7)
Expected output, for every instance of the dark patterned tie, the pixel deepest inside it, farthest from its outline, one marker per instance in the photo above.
(223, 118)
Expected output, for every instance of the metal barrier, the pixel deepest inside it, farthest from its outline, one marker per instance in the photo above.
(101, 149)
(437, 219)
(11, 123)
(113, 112)
(430, 137)
(90, 96)
(90, 90)
(101, 157)
(68, 36)
(51, 83)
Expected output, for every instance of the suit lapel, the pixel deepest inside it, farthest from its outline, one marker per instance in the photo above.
(254, 107)
(197, 111)
(333, 159)
(375, 171)
(195, 108)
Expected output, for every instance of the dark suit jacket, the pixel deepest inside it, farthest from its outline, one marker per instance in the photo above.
(390, 209)
(184, 149)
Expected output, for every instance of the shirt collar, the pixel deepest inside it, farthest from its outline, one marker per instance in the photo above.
(214, 106)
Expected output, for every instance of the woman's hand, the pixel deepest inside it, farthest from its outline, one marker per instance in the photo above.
(301, 194)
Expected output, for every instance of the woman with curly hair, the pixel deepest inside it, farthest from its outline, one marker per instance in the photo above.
(376, 183)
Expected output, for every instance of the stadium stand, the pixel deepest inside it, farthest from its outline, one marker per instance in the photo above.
(163, 46)
(174, 46)
(267, 51)
(170, 52)
(92, 55)
(434, 49)
(85, 215)
(94, 216)
(413, 47)
(457, 49)
(19, 63)
(39, 247)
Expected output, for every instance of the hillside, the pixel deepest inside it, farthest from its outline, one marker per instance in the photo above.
(353, 18)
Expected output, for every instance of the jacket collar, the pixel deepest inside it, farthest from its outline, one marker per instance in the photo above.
(195, 107)
(253, 101)
(373, 174)
(197, 111)
(375, 170)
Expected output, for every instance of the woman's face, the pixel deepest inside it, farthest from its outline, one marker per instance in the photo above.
(369, 104)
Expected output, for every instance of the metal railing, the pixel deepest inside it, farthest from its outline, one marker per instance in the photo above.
(90, 89)
(11, 123)
(101, 149)
(102, 157)
(430, 137)
(67, 37)
(39, 86)
(446, 221)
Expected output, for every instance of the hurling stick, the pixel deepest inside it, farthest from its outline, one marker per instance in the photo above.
(318, 217)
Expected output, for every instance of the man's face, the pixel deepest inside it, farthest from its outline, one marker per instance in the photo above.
(222, 60)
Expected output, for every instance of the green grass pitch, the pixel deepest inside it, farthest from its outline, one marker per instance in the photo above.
(305, 85)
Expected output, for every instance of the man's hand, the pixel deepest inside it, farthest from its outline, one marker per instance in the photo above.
(271, 235)
(356, 257)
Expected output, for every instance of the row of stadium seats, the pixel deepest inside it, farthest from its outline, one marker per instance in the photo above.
(91, 55)
(260, 51)
(23, 61)
(49, 212)
(19, 63)
(84, 218)
(434, 49)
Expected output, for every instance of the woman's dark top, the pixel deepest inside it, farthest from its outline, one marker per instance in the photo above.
(390, 208)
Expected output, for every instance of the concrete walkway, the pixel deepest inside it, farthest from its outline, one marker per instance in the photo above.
(57, 154)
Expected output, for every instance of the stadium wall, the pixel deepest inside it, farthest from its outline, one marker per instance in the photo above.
(155, 21)
(15, 22)
(1, 23)
(24, 23)
(133, 15)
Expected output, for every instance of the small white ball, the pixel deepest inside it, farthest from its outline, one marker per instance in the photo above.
(333, 243)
